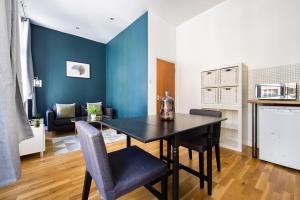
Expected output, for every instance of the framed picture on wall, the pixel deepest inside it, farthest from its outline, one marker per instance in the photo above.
(79, 70)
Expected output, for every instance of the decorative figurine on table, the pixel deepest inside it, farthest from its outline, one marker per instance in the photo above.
(167, 107)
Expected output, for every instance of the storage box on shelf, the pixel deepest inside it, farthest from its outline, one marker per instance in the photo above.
(210, 95)
(210, 78)
(229, 76)
(225, 89)
(228, 95)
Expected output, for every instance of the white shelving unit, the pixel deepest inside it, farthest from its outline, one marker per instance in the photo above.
(225, 89)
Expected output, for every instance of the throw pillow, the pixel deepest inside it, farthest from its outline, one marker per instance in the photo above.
(98, 106)
(65, 110)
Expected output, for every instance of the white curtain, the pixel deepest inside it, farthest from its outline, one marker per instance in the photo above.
(26, 66)
(14, 125)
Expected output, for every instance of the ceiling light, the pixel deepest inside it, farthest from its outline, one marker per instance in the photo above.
(112, 18)
(77, 27)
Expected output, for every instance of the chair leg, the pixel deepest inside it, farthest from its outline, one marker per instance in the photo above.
(217, 151)
(86, 186)
(190, 154)
(161, 147)
(201, 169)
(164, 188)
(128, 141)
(169, 154)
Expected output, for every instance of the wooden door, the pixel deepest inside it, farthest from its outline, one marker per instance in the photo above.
(165, 81)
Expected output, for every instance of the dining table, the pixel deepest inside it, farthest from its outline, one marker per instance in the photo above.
(151, 128)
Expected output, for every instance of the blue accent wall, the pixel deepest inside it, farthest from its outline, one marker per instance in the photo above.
(127, 70)
(50, 50)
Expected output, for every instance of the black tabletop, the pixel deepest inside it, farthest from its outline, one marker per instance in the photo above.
(150, 128)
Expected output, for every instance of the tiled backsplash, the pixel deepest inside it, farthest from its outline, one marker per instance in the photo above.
(280, 74)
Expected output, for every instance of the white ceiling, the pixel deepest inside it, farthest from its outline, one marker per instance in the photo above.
(93, 16)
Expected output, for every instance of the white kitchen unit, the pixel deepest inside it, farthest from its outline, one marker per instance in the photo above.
(35, 144)
(225, 89)
(279, 135)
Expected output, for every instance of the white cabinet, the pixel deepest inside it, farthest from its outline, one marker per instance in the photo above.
(210, 78)
(210, 95)
(278, 135)
(229, 76)
(35, 144)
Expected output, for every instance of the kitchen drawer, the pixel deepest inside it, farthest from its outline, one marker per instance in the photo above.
(210, 96)
(229, 76)
(228, 95)
(210, 78)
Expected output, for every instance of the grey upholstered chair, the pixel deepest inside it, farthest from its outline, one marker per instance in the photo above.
(119, 172)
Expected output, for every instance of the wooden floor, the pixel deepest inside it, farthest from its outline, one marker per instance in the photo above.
(61, 177)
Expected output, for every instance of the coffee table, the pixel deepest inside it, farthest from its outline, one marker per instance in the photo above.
(89, 120)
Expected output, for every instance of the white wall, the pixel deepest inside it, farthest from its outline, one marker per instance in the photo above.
(161, 44)
(259, 33)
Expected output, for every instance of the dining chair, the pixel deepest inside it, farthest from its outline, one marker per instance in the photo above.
(197, 141)
(121, 171)
(216, 135)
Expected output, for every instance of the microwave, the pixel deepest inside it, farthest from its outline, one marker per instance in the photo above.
(280, 91)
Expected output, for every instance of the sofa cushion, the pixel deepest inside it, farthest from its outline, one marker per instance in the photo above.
(77, 110)
(62, 121)
(97, 105)
(65, 110)
(85, 113)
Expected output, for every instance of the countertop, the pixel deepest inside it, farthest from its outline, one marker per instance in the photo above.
(275, 102)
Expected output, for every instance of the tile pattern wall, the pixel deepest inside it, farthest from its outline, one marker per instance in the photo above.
(279, 74)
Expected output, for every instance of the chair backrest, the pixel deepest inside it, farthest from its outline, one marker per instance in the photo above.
(210, 113)
(206, 112)
(95, 156)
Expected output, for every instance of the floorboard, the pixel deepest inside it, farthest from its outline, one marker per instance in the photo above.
(61, 177)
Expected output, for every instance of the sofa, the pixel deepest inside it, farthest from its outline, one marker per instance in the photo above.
(65, 124)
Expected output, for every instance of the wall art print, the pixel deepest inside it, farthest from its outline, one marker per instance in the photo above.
(79, 70)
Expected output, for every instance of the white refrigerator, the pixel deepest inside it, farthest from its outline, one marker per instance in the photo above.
(279, 135)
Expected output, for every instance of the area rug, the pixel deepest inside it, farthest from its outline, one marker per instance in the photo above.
(66, 144)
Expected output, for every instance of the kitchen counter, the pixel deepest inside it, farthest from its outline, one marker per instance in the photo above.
(275, 102)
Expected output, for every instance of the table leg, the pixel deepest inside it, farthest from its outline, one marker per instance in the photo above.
(254, 130)
(169, 153)
(161, 145)
(128, 141)
(175, 168)
(209, 160)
